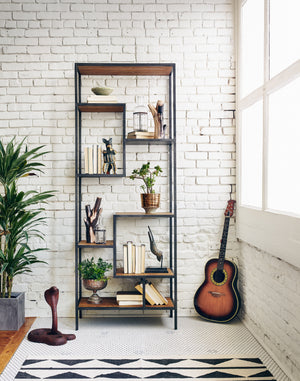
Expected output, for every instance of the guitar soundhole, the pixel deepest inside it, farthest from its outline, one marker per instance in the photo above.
(219, 276)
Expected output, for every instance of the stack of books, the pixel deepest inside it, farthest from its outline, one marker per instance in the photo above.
(140, 135)
(133, 258)
(129, 298)
(152, 295)
(102, 99)
(93, 159)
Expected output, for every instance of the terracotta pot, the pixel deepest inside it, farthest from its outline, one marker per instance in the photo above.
(94, 285)
(150, 201)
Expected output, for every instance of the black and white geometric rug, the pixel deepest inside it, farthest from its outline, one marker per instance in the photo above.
(210, 369)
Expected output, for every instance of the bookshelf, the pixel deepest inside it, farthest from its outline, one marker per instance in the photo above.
(81, 179)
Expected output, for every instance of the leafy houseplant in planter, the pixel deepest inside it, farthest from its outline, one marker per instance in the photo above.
(149, 199)
(93, 276)
(20, 220)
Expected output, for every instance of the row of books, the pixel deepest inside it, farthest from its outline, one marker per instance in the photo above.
(93, 159)
(101, 99)
(140, 135)
(135, 298)
(134, 258)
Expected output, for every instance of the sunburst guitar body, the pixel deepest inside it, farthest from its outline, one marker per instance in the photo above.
(218, 299)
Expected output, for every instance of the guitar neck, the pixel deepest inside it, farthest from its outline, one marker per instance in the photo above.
(223, 244)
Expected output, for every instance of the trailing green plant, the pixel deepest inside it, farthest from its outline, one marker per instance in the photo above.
(147, 175)
(20, 212)
(89, 269)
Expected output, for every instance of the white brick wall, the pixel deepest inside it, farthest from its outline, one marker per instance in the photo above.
(40, 41)
(270, 289)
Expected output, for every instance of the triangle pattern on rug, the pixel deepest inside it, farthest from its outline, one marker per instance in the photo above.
(265, 373)
(67, 376)
(116, 375)
(220, 375)
(166, 375)
(165, 361)
(24, 376)
(119, 361)
(213, 361)
(251, 359)
(30, 362)
(71, 362)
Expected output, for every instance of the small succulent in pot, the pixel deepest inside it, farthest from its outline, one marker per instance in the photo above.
(149, 199)
(93, 276)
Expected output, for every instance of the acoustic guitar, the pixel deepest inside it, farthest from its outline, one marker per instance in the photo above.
(217, 299)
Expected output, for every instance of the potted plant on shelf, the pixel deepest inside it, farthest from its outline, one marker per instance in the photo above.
(20, 220)
(93, 276)
(149, 199)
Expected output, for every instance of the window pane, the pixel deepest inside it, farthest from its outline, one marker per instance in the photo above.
(284, 153)
(284, 34)
(251, 156)
(252, 45)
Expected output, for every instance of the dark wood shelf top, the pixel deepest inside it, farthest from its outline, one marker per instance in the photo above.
(143, 214)
(120, 273)
(149, 141)
(111, 303)
(109, 243)
(125, 69)
(102, 107)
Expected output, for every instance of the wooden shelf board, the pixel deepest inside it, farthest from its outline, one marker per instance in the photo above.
(101, 107)
(125, 69)
(109, 243)
(143, 214)
(100, 175)
(149, 141)
(111, 303)
(120, 273)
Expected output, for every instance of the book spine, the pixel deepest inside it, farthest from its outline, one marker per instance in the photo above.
(143, 250)
(125, 259)
(151, 294)
(163, 300)
(86, 160)
(99, 161)
(134, 259)
(95, 152)
(139, 287)
(138, 260)
(90, 160)
(129, 256)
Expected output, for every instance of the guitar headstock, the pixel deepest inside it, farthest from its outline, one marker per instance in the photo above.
(230, 208)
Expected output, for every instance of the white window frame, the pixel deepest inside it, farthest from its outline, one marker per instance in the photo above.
(268, 230)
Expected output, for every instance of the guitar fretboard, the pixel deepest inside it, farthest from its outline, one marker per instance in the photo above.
(223, 244)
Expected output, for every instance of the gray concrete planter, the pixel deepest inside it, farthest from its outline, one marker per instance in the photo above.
(12, 312)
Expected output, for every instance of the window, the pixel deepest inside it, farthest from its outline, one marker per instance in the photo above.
(268, 126)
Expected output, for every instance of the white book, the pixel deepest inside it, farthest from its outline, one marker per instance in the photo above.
(129, 256)
(125, 259)
(143, 251)
(133, 258)
(138, 256)
(130, 302)
(91, 160)
(99, 161)
(95, 158)
(86, 160)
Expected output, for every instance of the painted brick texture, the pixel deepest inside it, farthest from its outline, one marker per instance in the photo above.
(40, 43)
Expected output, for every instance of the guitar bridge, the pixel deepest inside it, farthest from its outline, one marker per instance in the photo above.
(216, 294)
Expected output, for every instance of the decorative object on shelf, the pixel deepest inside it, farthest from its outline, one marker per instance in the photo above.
(158, 253)
(159, 126)
(93, 276)
(91, 220)
(140, 116)
(20, 220)
(133, 258)
(50, 336)
(100, 232)
(102, 99)
(149, 199)
(109, 160)
(102, 90)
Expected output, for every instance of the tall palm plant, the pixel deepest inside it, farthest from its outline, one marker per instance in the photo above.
(20, 212)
